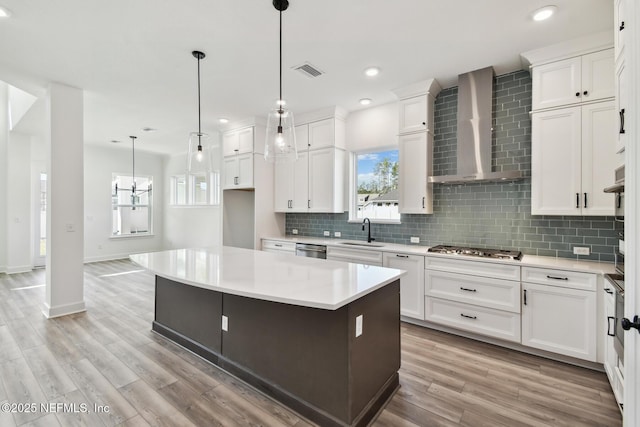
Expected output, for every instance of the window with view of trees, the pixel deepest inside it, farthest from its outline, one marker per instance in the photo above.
(377, 185)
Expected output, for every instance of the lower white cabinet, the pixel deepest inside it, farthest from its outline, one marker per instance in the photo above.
(358, 256)
(611, 365)
(560, 320)
(277, 246)
(411, 284)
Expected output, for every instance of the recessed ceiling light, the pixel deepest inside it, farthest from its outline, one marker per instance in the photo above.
(365, 101)
(223, 120)
(544, 13)
(148, 129)
(372, 71)
(4, 12)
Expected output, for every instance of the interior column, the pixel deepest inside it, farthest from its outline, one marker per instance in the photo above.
(65, 201)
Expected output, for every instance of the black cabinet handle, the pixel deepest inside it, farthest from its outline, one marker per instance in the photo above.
(277, 245)
(557, 278)
(578, 94)
(525, 297)
(609, 319)
(423, 203)
(424, 123)
(468, 317)
(585, 92)
(467, 289)
(619, 200)
(609, 291)
(585, 200)
(622, 121)
(402, 256)
(309, 203)
(621, 27)
(577, 200)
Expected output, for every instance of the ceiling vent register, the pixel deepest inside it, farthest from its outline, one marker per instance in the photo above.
(309, 70)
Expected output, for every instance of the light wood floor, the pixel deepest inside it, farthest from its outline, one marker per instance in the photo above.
(108, 356)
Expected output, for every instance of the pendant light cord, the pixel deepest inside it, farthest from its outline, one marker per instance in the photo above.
(281, 59)
(199, 121)
(133, 169)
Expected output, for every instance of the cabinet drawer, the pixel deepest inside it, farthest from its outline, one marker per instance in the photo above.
(368, 257)
(481, 320)
(475, 268)
(561, 278)
(276, 245)
(483, 291)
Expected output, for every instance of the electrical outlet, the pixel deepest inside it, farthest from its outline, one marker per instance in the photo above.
(359, 321)
(415, 240)
(294, 231)
(225, 323)
(326, 233)
(577, 250)
(337, 234)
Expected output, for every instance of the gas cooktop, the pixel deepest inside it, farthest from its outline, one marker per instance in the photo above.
(477, 252)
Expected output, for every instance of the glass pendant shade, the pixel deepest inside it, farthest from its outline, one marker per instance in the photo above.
(280, 143)
(199, 156)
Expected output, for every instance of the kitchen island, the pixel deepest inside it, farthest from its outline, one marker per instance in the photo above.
(322, 337)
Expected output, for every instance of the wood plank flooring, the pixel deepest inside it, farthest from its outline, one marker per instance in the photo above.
(109, 358)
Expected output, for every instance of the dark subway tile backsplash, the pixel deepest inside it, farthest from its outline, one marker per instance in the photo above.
(483, 214)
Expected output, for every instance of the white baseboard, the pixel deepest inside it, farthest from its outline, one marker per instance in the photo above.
(112, 257)
(19, 269)
(63, 310)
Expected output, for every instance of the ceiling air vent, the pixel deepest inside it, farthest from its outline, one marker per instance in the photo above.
(308, 70)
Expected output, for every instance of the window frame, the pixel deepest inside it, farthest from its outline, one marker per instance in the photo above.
(213, 191)
(353, 185)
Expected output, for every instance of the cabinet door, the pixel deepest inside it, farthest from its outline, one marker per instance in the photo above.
(598, 158)
(619, 27)
(559, 320)
(622, 101)
(556, 162)
(557, 83)
(230, 172)
(245, 140)
(245, 170)
(230, 143)
(416, 197)
(411, 284)
(300, 187)
(598, 76)
(283, 185)
(413, 114)
(321, 180)
(322, 134)
(302, 137)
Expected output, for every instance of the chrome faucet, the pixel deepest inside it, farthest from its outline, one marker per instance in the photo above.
(364, 222)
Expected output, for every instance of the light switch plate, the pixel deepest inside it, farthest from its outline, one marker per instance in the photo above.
(225, 323)
(359, 321)
(577, 250)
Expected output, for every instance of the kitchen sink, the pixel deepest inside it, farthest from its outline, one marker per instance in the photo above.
(365, 244)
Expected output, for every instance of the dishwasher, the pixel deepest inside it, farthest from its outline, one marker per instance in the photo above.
(311, 251)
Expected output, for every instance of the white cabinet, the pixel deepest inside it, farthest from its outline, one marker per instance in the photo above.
(573, 80)
(558, 318)
(572, 160)
(411, 284)
(292, 184)
(622, 103)
(238, 141)
(238, 171)
(413, 114)
(416, 160)
(326, 133)
(610, 355)
(479, 297)
(619, 27)
(358, 256)
(277, 246)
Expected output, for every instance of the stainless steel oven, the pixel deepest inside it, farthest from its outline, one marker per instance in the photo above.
(617, 281)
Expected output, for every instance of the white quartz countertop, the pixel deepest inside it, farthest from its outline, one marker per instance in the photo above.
(569, 264)
(267, 276)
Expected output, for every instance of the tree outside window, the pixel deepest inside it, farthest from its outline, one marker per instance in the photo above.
(377, 185)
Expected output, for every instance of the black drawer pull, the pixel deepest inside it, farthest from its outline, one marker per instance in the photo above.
(277, 245)
(467, 289)
(557, 278)
(609, 291)
(577, 200)
(577, 93)
(621, 27)
(468, 317)
(609, 319)
(525, 297)
(585, 200)
(402, 256)
(622, 121)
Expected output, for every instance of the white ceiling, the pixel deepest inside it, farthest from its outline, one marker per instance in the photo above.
(133, 57)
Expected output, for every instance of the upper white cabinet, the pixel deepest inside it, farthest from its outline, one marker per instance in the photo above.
(411, 284)
(416, 105)
(238, 171)
(238, 141)
(572, 160)
(620, 27)
(314, 182)
(415, 194)
(574, 80)
(622, 104)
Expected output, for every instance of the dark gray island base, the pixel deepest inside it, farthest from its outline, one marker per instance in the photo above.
(307, 358)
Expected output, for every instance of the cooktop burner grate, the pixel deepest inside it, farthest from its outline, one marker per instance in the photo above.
(478, 252)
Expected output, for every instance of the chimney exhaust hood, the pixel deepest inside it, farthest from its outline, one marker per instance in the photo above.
(475, 99)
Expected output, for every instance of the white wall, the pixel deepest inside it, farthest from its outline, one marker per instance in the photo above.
(18, 236)
(4, 137)
(190, 226)
(99, 165)
(372, 128)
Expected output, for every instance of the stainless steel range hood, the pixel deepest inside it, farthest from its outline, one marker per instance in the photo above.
(475, 98)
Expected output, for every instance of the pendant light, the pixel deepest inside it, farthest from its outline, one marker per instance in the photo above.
(280, 143)
(135, 192)
(199, 154)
